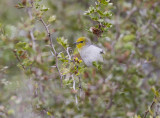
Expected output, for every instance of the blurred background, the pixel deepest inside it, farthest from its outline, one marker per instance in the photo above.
(124, 88)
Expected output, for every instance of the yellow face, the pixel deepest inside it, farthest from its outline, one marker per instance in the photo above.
(81, 42)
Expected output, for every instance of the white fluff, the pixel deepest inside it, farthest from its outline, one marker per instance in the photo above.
(91, 53)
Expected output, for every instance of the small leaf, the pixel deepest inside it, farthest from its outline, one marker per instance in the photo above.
(62, 41)
(44, 8)
(26, 62)
(52, 18)
(100, 20)
(150, 111)
(128, 46)
(128, 38)
(11, 112)
(19, 6)
(21, 45)
(95, 64)
(156, 93)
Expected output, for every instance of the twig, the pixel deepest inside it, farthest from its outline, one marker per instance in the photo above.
(80, 86)
(155, 27)
(74, 83)
(110, 103)
(15, 53)
(74, 88)
(68, 53)
(52, 48)
(131, 12)
(29, 11)
(152, 104)
(70, 58)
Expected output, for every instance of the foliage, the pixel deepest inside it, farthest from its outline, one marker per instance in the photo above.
(42, 74)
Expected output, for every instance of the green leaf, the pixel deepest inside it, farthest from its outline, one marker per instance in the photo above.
(128, 46)
(62, 57)
(100, 20)
(39, 35)
(52, 18)
(156, 93)
(104, 2)
(86, 13)
(137, 116)
(94, 18)
(62, 41)
(11, 112)
(129, 37)
(97, 65)
(100, 12)
(91, 9)
(37, 5)
(20, 45)
(44, 8)
(26, 62)
(20, 5)
(117, 70)
(107, 14)
(23, 46)
(150, 111)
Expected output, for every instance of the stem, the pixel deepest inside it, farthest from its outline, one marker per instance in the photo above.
(74, 88)
(80, 86)
(152, 104)
(52, 48)
(29, 11)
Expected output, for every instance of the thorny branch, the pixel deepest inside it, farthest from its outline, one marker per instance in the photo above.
(52, 48)
(151, 106)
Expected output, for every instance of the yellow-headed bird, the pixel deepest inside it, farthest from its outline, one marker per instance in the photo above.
(89, 52)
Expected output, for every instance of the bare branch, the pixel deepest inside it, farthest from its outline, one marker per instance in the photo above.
(151, 106)
(131, 12)
(155, 27)
(80, 86)
(52, 48)
(74, 88)
(68, 53)
(29, 11)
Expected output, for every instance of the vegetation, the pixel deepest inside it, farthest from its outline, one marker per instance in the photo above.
(43, 76)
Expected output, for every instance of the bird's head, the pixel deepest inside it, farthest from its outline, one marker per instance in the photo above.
(81, 42)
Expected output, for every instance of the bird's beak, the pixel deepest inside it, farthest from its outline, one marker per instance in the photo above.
(75, 43)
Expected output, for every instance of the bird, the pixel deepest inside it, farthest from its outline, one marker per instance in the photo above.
(89, 52)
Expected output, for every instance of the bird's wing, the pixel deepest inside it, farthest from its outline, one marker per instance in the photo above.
(90, 54)
(101, 51)
(96, 52)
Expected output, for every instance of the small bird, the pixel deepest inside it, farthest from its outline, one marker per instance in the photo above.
(89, 52)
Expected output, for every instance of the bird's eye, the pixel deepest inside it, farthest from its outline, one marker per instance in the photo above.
(81, 41)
